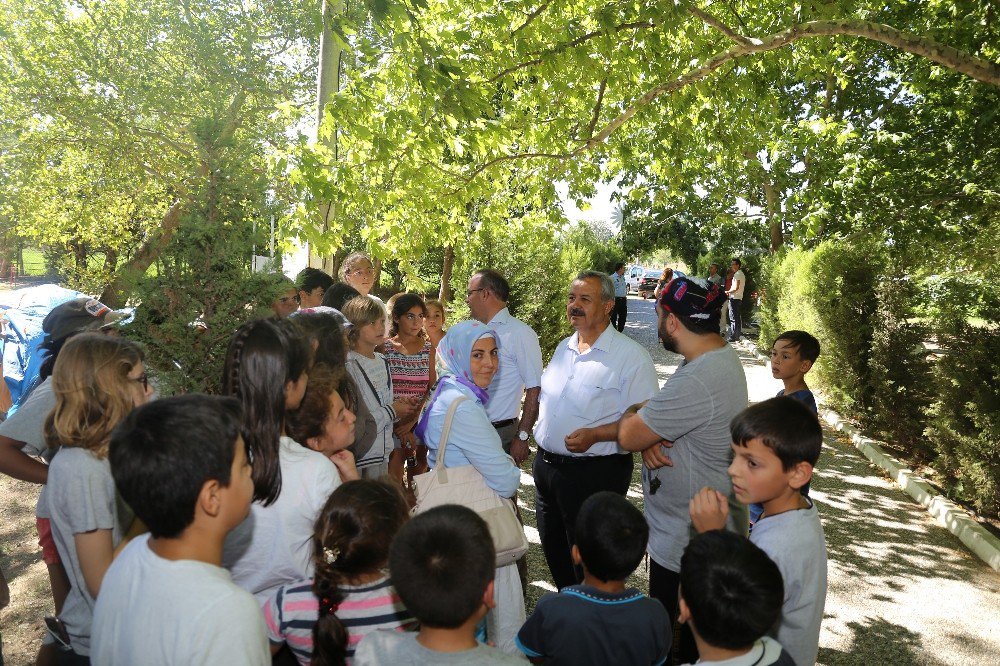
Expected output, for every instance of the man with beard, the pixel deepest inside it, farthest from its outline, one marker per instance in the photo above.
(683, 433)
(594, 376)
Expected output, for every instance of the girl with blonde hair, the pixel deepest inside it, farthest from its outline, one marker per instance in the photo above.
(97, 380)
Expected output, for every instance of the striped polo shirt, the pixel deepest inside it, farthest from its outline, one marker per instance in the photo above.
(291, 613)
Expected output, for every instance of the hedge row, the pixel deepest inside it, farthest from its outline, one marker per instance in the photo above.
(925, 384)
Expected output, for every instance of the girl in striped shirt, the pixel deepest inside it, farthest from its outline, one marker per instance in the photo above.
(408, 352)
(322, 619)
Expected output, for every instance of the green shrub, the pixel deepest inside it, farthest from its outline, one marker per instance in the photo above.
(964, 421)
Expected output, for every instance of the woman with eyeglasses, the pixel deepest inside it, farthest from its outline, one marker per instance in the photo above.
(408, 352)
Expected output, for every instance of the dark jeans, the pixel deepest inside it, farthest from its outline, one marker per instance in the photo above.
(663, 586)
(735, 319)
(560, 489)
(620, 313)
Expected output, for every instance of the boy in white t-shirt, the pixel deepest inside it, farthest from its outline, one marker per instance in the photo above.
(181, 464)
(776, 444)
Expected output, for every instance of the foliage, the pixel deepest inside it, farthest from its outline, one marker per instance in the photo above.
(964, 421)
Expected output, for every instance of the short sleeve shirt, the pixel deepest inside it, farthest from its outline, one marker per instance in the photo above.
(273, 546)
(82, 498)
(156, 612)
(693, 410)
(293, 611)
(593, 388)
(520, 366)
(27, 423)
(582, 625)
(738, 294)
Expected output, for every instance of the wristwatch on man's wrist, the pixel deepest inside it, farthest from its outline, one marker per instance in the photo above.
(522, 435)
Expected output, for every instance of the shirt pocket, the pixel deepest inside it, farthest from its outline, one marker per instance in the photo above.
(596, 399)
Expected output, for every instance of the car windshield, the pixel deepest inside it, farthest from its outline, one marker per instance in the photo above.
(652, 274)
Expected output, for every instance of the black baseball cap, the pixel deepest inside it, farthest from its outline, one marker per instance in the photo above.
(83, 314)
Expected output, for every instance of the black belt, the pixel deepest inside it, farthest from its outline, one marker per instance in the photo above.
(557, 459)
(502, 424)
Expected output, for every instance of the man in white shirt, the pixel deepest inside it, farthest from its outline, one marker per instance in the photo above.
(620, 313)
(520, 369)
(735, 294)
(594, 376)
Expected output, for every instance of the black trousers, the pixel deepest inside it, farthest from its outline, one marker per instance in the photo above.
(663, 586)
(620, 313)
(735, 319)
(560, 489)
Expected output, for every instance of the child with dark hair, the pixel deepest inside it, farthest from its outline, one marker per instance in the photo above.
(776, 444)
(312, 284)
(792, 356)
(338, 294)
(601, 621)
(442, 563)
(324, 421)
(266, 370)
(350, 595)
(730, 596)
(181, 464)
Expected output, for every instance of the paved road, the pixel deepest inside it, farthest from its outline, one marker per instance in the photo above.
(902, 590)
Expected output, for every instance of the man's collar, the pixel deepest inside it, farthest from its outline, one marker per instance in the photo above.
(602, 343)
(501, 317)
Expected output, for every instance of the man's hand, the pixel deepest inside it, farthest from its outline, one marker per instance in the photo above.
(519, 451)
(655, 457)
(709, 510)
(579, 440)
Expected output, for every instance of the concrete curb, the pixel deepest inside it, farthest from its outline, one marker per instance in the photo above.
(949, 515)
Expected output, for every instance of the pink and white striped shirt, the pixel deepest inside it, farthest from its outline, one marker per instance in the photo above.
(293, 610)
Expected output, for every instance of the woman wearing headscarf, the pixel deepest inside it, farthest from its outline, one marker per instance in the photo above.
(466, 362)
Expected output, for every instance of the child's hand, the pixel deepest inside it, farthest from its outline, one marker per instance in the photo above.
(404, 409)
(709, 510)
(344, 462)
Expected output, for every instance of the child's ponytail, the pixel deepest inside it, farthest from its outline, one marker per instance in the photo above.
(352, 538)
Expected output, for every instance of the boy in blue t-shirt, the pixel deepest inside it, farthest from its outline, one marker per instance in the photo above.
(792, 356)
(601, 621)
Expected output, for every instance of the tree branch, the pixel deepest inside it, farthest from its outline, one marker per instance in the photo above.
(532, 16)
(977, 68)
(719, 25)
(597, 107)
(571, 44)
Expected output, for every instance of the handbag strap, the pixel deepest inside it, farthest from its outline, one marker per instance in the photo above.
(443, 444)
(368, 381)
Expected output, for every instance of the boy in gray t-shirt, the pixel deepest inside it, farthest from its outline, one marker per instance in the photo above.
(776, 443)
(442, 563)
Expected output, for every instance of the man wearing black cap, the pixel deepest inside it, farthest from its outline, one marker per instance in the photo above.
(683, 432)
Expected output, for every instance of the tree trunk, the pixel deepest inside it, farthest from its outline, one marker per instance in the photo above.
(445, 295)
(114, 294)
(773, 217)
(327, 85)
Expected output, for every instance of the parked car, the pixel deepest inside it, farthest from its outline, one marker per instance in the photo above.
(647, 285)
(633, 276)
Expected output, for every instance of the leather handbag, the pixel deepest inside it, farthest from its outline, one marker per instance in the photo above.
(464, 485)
